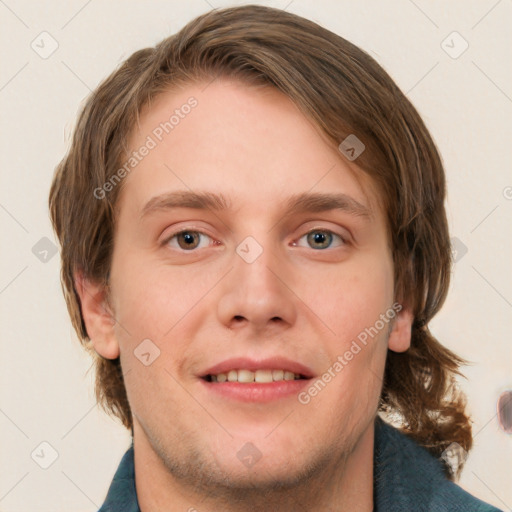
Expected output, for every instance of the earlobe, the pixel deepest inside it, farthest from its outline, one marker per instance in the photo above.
(98, 317)
(400, 336)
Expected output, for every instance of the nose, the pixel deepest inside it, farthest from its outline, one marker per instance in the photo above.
(256, 293)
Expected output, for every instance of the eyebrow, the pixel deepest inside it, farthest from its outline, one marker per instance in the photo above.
(321, 202)
(186, 199)
(305, 202)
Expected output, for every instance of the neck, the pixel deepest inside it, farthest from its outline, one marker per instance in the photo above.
(343, 483)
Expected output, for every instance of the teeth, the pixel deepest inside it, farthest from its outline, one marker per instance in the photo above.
(244, 376)
(277, 374)
(263, 376)
(260, 376)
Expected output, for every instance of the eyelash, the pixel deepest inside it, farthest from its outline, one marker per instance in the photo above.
(167, 241)
(328, 231)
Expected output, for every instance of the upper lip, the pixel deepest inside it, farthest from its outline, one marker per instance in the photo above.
(271, 363)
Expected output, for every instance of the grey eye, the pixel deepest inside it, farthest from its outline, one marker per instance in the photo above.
(322, 238)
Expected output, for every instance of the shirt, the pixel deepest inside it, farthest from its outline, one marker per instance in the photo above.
(406, 478)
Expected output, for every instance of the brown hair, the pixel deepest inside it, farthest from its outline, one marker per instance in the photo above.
(344, 91)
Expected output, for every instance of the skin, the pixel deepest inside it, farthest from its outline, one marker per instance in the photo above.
(206, 305)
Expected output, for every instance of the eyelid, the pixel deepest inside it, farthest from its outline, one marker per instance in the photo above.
(344, 238)
(327, 226)
(186, 229)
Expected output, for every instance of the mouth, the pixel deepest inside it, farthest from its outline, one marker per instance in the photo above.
(244, 376)
(248, 380)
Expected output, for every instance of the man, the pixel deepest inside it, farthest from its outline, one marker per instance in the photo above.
(254, 241)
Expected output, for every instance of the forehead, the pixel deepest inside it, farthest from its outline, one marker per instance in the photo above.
(251, 143)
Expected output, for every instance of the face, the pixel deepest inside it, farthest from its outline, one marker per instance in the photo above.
(248, 249)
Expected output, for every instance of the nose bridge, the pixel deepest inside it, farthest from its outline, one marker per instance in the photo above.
(258, 267)
(256, 290)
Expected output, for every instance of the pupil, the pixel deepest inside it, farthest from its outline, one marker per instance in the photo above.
(321, 239)
(188, 240)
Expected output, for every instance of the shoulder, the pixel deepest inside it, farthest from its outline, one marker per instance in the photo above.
(408, 477)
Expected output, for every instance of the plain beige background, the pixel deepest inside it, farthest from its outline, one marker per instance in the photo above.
(465, 99)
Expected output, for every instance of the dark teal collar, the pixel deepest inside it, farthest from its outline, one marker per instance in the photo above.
(406, 478)
(122, 496)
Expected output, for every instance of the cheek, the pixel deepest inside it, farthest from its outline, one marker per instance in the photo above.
(349, 298)
(360, 345)
(152, 298)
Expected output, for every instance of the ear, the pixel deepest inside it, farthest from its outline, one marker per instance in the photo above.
(98, 317)
(400, 336)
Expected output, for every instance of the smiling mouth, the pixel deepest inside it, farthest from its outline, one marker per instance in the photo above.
(254, 377)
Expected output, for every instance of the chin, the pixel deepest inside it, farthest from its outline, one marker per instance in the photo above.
(264, 475)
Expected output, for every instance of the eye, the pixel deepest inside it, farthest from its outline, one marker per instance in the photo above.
(188, 240)
(321, 239)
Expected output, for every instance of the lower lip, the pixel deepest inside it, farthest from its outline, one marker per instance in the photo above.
(257, 392)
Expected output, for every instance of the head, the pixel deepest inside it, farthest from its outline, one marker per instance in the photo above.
(258, 106)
